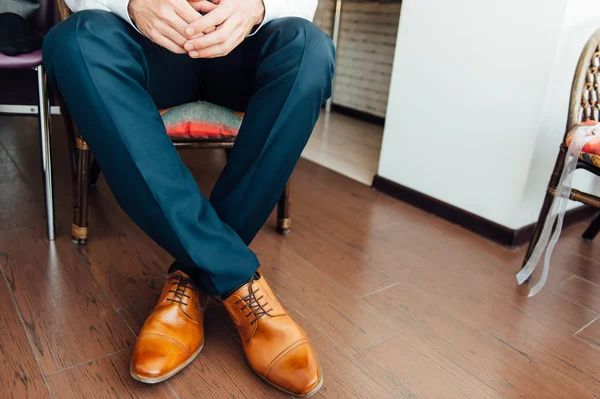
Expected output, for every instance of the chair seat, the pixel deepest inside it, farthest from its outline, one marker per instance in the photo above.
(23, 61)
(590, 153)
(591, 159)
(201, 121)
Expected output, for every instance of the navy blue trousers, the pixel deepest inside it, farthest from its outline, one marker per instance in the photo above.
(113, 81)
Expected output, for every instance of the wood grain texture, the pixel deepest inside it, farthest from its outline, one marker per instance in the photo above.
(104, 378)
(352, 323)
(467, 263)
(572, 242)
(337, 236)
(432, 310)
(67, 316)
(343, 377)
(586, 268)
(544, 336)
(590, 334)
(25, 152)
(20, 375)
(472, 341)
(120, 256)
(414, 370)
(582, 292)
(135, 316)
(19, 203)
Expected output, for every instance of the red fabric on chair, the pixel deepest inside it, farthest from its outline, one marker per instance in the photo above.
(590, 152)
(201, 120)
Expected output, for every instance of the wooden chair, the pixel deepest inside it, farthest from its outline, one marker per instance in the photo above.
(584, 106)
(85, 173)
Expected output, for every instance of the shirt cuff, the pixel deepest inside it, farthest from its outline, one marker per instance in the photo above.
(120, 8)
(271, 12)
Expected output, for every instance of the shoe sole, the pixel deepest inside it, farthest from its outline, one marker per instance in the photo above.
(156, 380)
(306, 395)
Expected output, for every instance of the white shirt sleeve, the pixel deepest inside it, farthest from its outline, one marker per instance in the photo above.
(273, 8)
(288, 8)
(118, 7)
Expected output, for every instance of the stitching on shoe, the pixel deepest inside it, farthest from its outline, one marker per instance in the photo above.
(170, 339)
(283, 353)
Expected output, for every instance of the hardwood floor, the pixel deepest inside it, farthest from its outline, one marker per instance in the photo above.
(346, 145)
(398, 303)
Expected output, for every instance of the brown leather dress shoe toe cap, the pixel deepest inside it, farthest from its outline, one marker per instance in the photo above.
(157, 357)
(296, 370)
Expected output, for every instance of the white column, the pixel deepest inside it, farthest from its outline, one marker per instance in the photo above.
(474, 86)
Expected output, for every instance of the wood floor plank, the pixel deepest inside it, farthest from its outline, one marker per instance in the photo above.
(104, 378)
(474, 345)
(67, 315)
(360, 262)
(135, 316)
(572, 242)
(18, 131)
(352, 323)
(463, 329)
(464, 262)
(582, 292)
(121, 257)
(347, 201)
(587, 269)
(8, 170)
(545, 335)
(20, 375)
(220, 370)
(20, 205)
(591, 333)
(343, 376)
(544, 338)
(414, 370)
(26, 153)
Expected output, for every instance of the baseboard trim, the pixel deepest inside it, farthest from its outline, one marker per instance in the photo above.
(360, 115)
(509, 237)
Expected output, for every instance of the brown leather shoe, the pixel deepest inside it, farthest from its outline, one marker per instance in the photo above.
(173, 334)
(276, 348)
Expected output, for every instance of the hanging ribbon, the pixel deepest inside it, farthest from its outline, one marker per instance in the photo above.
(580, 137)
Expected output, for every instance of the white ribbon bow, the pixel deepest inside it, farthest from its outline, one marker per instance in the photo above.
(580, 137)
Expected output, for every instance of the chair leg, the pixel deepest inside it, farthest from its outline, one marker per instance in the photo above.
(94, 173)
(548, 201)
(590, 233)
(79, 229)
(44, 118)
(284, 221)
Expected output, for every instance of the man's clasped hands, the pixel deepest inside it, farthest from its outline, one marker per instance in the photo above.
(202, 28)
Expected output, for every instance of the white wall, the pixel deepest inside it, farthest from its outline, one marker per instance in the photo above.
(582, 18)
(470, 97)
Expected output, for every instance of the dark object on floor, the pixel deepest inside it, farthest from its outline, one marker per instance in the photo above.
(17, 36)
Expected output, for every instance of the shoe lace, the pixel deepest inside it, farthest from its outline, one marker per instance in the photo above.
(252, 303)
(181, 285)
